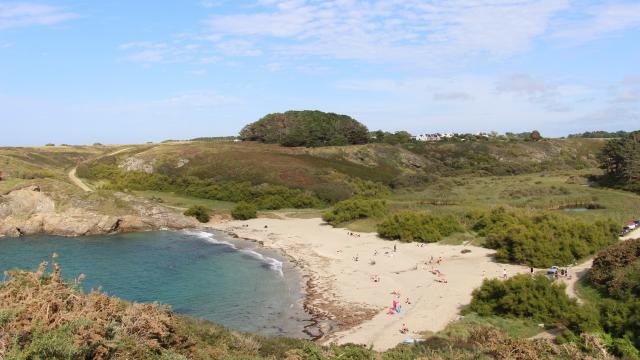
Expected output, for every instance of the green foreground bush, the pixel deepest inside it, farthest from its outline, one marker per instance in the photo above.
(524, 296)
(353, 209)
(244, 211)
(421, 227)
(201, 213)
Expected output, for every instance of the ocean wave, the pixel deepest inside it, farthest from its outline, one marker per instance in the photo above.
(274, 264)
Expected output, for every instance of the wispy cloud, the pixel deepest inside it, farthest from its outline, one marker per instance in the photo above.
(599, 21)
(393, 30)
(23, 14)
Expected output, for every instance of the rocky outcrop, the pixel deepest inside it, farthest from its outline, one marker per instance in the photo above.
(28, 211)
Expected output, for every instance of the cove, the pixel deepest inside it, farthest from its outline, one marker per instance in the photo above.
(204, 275)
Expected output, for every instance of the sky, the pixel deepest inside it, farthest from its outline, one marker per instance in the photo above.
(122, 71)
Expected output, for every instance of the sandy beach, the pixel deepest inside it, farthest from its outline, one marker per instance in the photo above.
(342, 289)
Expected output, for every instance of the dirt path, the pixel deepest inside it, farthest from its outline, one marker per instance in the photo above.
(577, 272)
(76, 180)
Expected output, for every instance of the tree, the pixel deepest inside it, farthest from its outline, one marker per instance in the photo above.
(306, 128)
(620, 160)
(535, 136)
(201, 213)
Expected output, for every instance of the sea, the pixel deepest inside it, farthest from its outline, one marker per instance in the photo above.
(206, 275)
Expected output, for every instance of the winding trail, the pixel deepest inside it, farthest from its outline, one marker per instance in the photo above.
(580, 270)
(76, 180)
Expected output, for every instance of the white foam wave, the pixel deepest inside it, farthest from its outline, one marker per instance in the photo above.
(274, 264)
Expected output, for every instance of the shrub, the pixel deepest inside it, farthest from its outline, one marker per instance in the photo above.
(523, 296)
(353, 209)
(201, 213)
(244, 211)
(617, 269)
(265, 196)
(421, 227)
(543, 239)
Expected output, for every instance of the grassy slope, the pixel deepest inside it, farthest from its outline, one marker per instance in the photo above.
(42, 317)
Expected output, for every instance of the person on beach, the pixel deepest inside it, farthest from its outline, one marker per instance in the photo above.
(504, 273)
(394, 247)
(404, 329)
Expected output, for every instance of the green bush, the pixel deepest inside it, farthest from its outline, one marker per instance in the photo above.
(244, 211)
(306, 128)
(421, 227)
(524, 296)
(353, 209)
(543, 239)
(201, 213)
(265, 196)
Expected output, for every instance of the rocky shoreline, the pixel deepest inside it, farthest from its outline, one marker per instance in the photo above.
(326, 318)
(31, 211)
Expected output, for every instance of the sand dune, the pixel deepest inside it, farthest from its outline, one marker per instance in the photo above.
(342, 289)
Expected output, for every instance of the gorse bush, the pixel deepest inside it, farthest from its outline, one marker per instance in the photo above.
(201, 213)
(420, 227)
(616, 273)
(265, 196)
(353, 209)
(544, 239)
(617, 270)
(244, 211)
(306, 128)
(524, 296)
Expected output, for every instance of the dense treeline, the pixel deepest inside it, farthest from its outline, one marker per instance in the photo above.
(620, 160)
(265, 196)
(544, 239)
(418, 226)
(353, 209)
(600, 134)
(306, 128)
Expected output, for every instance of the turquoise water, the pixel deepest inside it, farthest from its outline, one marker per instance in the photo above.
(204, 275)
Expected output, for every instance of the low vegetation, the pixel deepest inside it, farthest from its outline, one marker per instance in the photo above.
(418, 226)
(201, 213)
(542, 239)
(611, 312)
(265, 196)
(306, 128)
(43, 317)
(354, 209)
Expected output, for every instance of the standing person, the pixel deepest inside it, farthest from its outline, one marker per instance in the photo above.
(394, 247)
(532, 271)
(504, 273)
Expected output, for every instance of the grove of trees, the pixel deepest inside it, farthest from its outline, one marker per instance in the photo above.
(620, 160)
(306, 128)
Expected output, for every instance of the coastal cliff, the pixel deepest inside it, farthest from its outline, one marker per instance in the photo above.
(30, 211)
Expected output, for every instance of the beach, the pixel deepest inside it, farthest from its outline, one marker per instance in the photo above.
(340, 267)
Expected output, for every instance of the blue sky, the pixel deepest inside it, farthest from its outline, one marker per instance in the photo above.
(79, 72)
